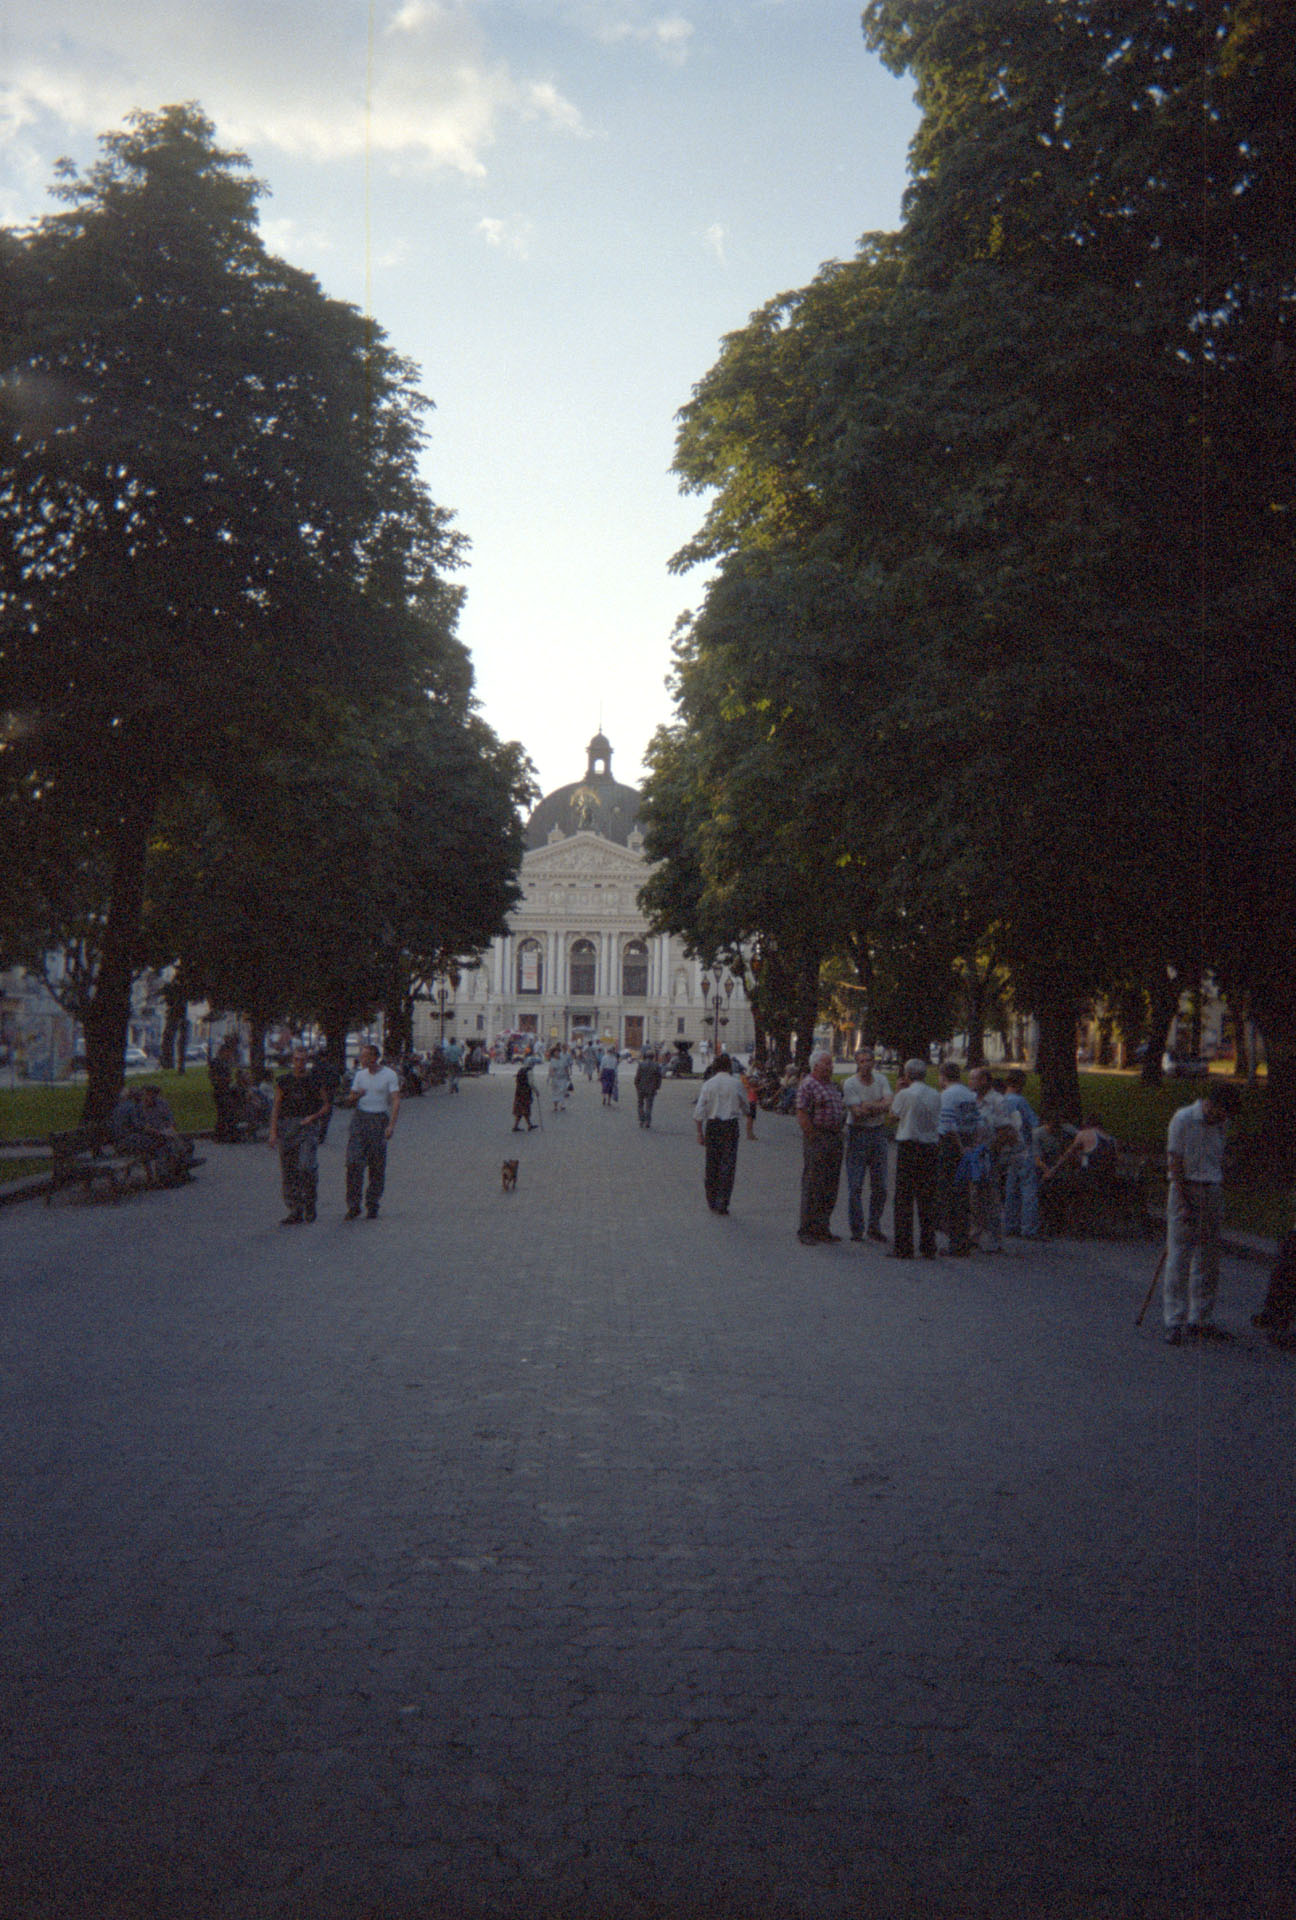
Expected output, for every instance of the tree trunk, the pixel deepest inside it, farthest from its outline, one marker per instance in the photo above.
(806, 1010)
(107, 1018)
(1164, 996)
(175, 1029)
(974, 1002)
(1056, 1058)
(256, 1047)
(1275, 1014)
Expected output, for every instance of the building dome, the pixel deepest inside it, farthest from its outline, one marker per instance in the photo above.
(597, 804)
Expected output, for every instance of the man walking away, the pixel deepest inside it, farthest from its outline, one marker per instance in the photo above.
(720, 1106)
(376, 1096)
(647, 1082)
(917, 1108)
(1195, 1148)
(867, 1098)
(300, 1104)
(821, 1117)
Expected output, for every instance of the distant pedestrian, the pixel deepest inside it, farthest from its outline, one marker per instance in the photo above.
(376, 1097)
(720, 1107)
(523, 1096)
(916, 1107)
(647, 1084)
(559, 1079)
(751, 1092)
(609, 1068)
(1195, 1144)
(452, 1054)
(221, 1069)
(821, 1116)
(867, 1098)
(300, 1103)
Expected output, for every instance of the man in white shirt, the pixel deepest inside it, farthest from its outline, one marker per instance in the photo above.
(917, 1108)
(1195, 1149)
(720, 1106)
(867, 1098)
(375, 1094)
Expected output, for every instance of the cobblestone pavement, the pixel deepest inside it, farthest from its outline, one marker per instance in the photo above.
(577, 1552)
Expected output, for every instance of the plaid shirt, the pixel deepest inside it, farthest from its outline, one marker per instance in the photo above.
(822, 1100)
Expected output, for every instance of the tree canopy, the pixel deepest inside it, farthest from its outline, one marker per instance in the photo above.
(1038, 442)
(223, 576)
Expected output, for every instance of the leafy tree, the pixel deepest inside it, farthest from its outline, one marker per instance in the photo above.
(211, 511)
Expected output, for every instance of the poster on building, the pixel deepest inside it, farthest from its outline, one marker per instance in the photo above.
(529, 976)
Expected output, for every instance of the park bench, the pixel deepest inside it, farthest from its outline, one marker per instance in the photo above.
(84, 1155)
(1114, 1206)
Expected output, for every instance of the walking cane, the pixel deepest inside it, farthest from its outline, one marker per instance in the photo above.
(1147, 1298)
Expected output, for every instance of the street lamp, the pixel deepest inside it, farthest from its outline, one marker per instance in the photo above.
(443, 991)
(723, 993)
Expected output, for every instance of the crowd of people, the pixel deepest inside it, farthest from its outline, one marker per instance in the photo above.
(973, 1162)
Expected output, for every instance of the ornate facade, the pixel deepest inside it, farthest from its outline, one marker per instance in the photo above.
(578, 961)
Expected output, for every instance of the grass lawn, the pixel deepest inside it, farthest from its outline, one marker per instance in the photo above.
(30, 1112)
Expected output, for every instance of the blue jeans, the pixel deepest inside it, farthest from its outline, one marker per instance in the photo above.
(866, 1153)
(1021, 1195)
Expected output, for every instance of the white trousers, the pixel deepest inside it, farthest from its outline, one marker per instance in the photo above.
(1192, 1255)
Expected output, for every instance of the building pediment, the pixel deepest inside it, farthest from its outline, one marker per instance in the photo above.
(584, 856)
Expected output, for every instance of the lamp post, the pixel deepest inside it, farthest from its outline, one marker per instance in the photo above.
(450, 976)
(723, 993)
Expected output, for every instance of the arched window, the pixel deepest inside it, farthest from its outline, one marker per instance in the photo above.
(582, 967)
(634, 970)
(530, 967)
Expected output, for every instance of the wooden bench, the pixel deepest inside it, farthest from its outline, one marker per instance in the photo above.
(1115, 1206)
(86, 1154)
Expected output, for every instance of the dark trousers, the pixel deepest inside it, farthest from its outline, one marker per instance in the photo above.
(366, 1148)
(954, 1195)
(298, 1167)
(646, 1107)
(866, 1156)
(821, 1159)
(915, 1187)
(721, 1138)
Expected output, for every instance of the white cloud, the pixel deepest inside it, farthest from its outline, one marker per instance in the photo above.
(511, 236)
(715, 238)
(294, 76)
(668, 34)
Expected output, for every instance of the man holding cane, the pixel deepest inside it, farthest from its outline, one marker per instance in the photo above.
(1195, 1150)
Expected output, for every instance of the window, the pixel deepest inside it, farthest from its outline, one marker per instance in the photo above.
(582, 967)
(634, 971)
(530, 968)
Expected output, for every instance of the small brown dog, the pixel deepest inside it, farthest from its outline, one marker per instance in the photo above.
(508, 1175)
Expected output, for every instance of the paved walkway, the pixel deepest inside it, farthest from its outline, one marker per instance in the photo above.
(576, 1552)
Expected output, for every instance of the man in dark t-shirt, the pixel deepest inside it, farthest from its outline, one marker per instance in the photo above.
(301, 1102)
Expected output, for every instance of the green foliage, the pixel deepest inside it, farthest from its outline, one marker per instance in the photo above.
(1040, 442)
(239, 723)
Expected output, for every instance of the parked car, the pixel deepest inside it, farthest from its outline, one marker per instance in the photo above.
(196, 1051)
(135, 1059)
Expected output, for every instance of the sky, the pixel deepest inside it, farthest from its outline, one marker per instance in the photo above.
(557, 209)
